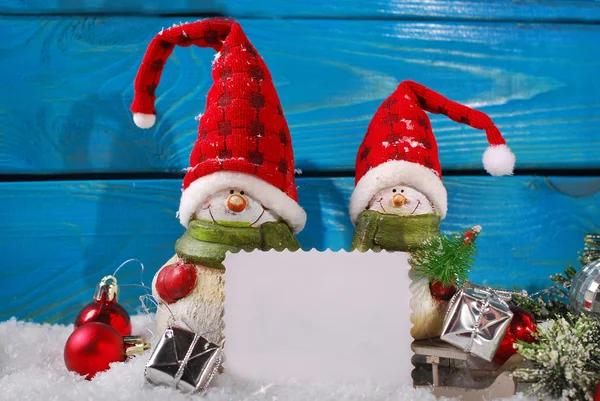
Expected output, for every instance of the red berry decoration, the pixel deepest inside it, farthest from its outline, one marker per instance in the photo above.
(440, 292)
(176, 281)
(522, 327)
(92, 347)
(105, 309)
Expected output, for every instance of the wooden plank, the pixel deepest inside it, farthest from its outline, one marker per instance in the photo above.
(438, 349)
(59, 238)
(67, 86)
(536, 10)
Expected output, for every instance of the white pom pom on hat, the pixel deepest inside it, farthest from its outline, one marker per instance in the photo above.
(499, 160)
(144, 120)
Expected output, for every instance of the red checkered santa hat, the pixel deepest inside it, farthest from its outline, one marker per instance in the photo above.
(243, 138)
(400, 149)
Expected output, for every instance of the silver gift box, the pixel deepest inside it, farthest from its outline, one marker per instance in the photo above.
(184, 360)
(476, 321)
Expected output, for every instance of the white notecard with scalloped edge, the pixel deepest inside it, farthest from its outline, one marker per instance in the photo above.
(318, 316)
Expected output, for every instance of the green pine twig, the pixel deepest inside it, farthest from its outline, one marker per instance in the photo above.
(447, 259)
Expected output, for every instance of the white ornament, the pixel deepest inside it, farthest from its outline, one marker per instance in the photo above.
(401, 200)
(234, 205)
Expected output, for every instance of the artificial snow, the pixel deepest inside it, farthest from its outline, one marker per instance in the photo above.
(32, 368)
(409, 124)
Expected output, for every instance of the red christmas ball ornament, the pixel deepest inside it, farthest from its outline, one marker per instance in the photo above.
(176, 281)
(440, 292)
(105, 309)
(597, 392)
(92, 347)
(522, 327)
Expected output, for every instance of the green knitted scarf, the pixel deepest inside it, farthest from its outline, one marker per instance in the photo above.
(206, 243)
(379, 231)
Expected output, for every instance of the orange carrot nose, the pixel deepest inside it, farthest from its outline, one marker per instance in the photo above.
(398, 200)
(236, 203)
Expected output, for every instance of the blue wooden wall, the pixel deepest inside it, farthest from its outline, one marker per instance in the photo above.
(82, 189)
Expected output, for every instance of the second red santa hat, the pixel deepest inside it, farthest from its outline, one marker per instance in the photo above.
(243, 138)
(400, 148)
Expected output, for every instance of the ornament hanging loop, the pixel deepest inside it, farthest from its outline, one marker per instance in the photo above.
(502, 294)
(107, 290)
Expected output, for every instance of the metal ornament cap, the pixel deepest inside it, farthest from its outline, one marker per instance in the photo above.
(107, 291)
(105, 309)
(135, 345)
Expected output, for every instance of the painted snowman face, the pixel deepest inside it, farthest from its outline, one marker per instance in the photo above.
(234, 207)
(401, 200)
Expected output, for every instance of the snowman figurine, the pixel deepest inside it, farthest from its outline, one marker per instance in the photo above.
(399, 198)
(239, 192)
(401, 218)
(190, 286)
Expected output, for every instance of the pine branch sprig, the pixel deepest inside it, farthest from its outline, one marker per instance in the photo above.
(447, 259)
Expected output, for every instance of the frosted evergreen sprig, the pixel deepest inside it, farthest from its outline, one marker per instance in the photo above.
(566, 358)
(591, 252)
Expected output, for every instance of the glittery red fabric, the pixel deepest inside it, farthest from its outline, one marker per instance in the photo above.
(243, 128)
(401, 130)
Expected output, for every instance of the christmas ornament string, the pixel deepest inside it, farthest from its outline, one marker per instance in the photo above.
(501, 293)
(148, 312)
(142, 268)
(141, 285)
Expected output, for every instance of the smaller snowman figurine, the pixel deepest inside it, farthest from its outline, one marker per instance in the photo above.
(240, 191)
(399, 198)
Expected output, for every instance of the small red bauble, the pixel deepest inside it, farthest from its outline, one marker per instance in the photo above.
(105, 309)
(92, 347)
(440, 292)
(597, 392)
(522, 327)
(176, 281)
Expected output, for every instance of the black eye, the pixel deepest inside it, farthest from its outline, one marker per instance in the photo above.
(241, 192)
(393, 190)
(231, 192)
(402, 191)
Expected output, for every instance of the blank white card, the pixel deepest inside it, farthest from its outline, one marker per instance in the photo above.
(318, 316)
